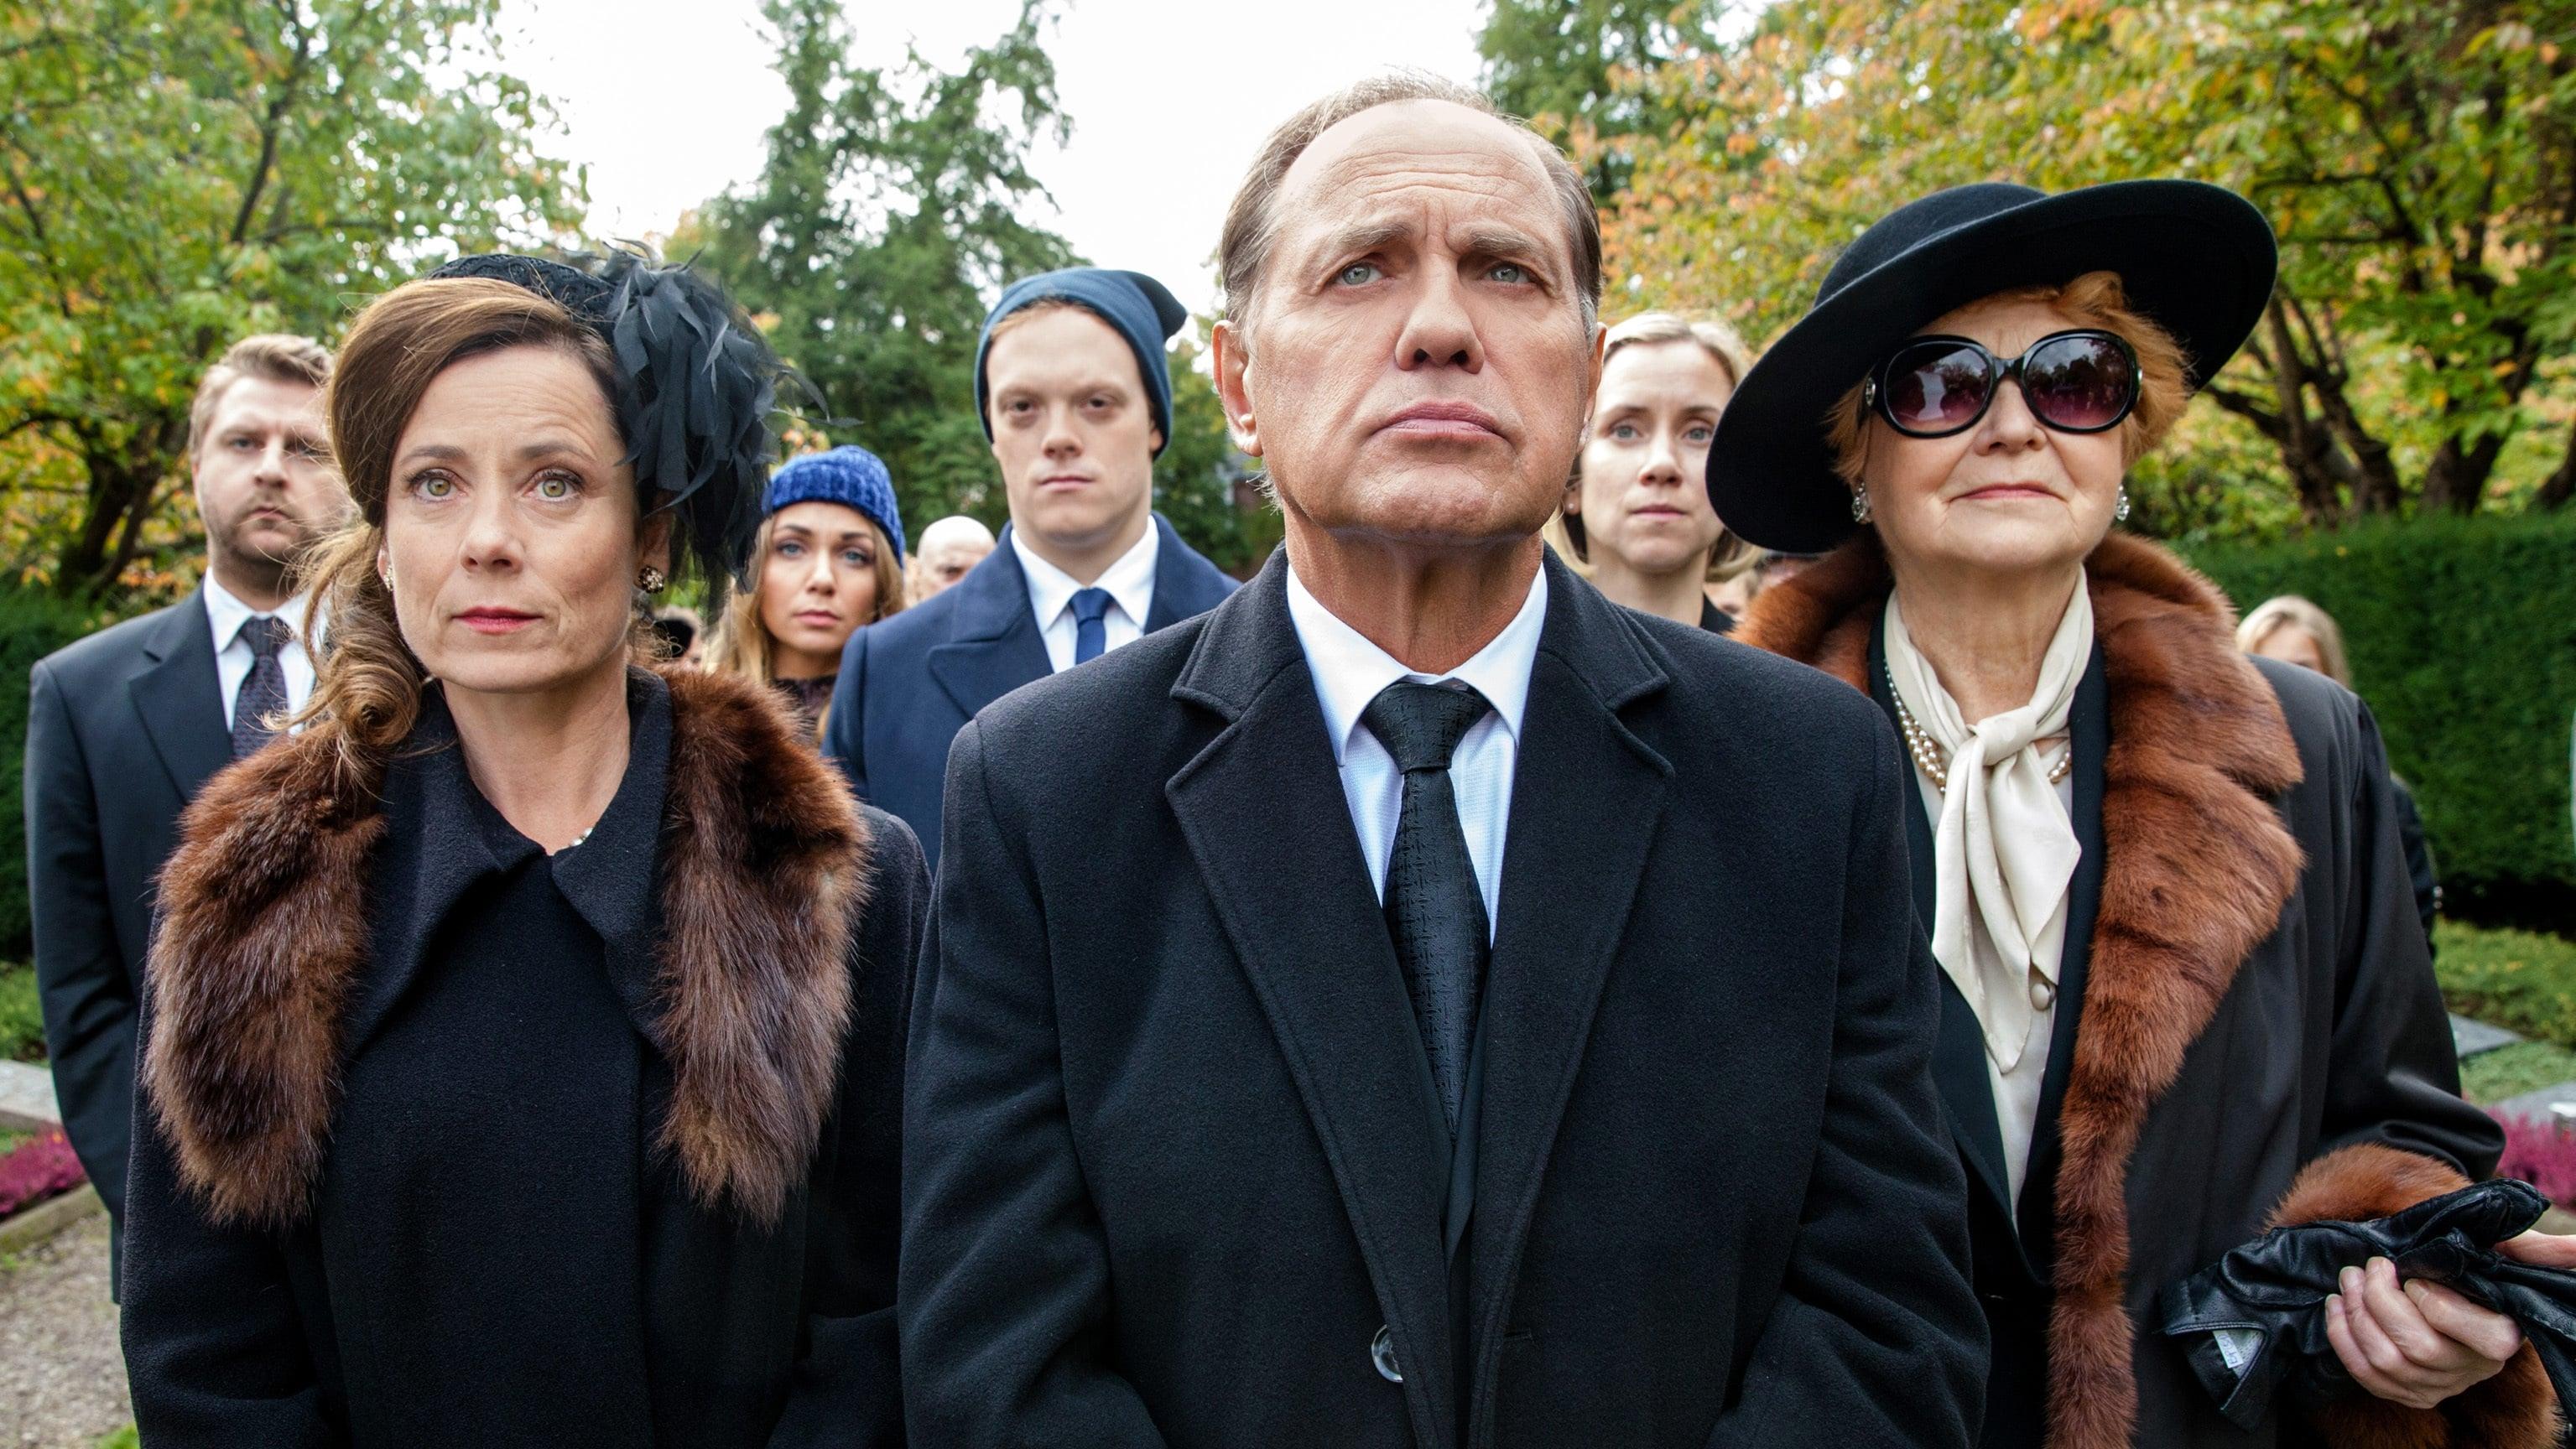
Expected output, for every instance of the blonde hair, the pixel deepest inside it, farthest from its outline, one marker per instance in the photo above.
(1730, 555)
(2095, 299)
(742, 644)
(368, 683)
(269, 356)
(2289, 609)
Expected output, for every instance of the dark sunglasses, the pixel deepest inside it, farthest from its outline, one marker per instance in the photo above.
(2084, 381)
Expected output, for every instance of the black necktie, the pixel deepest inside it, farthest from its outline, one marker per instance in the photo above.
(1434, 909)
(263, 692)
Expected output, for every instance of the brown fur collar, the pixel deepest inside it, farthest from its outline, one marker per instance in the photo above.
(264, 933)
(2199, 868)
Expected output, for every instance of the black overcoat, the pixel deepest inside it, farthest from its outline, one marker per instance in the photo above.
(1168, 1168)
(2248, 1028)
(762, 956)
(123, 728)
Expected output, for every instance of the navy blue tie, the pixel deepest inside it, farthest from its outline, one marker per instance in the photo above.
(1090, 631)
(1434, 907)
(263, 690)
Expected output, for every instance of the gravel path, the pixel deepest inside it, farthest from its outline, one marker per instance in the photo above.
(62, 1380)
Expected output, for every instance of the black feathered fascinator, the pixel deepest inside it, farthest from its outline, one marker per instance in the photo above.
(696, 384)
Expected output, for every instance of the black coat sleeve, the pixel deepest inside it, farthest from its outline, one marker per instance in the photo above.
(846, 1390)
(2393, 1076)
(1877, 1337)
(215, 1346)
(2420, 874)
(87, 994)
(1005, 1300)
(845, 732)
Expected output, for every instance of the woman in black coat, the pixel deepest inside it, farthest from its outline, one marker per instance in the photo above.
(522, 1043)
(2184, 993)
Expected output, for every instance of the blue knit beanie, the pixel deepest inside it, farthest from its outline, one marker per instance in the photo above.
(848, 475)
(1139, 309)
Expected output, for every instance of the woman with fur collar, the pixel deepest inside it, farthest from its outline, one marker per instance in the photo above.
(2184, 995)
(522, 1050)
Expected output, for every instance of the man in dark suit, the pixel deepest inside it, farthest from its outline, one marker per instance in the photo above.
(1258, 1095)
(1074, 392)
(124, 726)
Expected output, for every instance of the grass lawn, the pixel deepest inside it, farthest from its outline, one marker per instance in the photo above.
(2492, 1077)
(22, 1017)
(2517, 979)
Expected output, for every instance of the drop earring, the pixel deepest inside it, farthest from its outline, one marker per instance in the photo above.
(2120, 509)
(1860, 505)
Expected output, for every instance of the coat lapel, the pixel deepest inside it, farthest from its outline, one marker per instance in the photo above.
(180, 700)
(1587, 798)
(1262, 810)
(2088, 730)
(1959, 1053)
(1173, 585)
(996, 646)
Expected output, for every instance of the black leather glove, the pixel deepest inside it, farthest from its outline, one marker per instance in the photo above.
(2277, 1286)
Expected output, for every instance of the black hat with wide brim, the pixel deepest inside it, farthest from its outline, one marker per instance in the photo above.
(2196, 258)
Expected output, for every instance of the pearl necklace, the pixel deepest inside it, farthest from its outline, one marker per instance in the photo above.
(1927, 751)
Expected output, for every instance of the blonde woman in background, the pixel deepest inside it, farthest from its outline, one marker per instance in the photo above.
(2295, 631)
(1636, 520)
(829, 561)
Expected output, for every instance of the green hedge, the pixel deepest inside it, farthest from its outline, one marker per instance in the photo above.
(2462, 635)
(32, 626)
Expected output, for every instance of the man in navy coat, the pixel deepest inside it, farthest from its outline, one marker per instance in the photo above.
(1071, 382)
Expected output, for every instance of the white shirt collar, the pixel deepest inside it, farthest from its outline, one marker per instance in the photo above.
(1130, 580)
(226, 613)
(1349, 670)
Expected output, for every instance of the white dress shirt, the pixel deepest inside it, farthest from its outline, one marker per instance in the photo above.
(1350, 671)
(1130, 582)
(225, 615)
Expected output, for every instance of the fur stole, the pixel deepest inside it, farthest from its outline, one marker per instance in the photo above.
(264, 933)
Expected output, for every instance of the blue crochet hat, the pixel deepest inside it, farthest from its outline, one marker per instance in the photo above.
(848, 475)
(1139, 309)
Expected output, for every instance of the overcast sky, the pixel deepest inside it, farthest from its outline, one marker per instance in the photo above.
(1168, 99)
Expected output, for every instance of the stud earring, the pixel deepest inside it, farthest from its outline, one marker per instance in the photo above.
(1860, 505)
(651, 580)
(2120, 510)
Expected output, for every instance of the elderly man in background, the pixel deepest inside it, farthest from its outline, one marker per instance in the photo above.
(1422, 1003)
(948, 549)
(125, 726)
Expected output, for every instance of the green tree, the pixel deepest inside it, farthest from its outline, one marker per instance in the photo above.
(1566, 66)
(173, 176)
(2416, 158)
(893, 206)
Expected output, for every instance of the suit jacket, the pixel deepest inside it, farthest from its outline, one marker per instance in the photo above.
(1168, 1176)
(122, 729)
(909, 684)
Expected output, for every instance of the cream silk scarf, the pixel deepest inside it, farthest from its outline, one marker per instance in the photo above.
(2004, 846)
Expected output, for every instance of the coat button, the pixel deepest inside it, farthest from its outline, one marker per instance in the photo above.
(1382, 1353)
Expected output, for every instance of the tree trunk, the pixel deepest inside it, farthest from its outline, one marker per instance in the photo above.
(124, 486)
(2457, 479)
(2559, 486)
